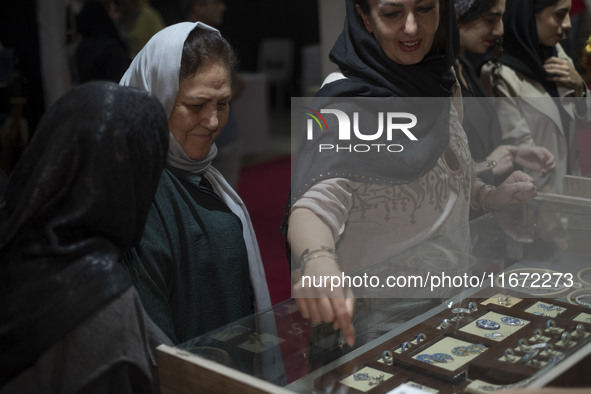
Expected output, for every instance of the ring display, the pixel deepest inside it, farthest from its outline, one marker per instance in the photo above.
(442, 349)
(546, 309)
(529, 330)
(366, 379)
(468, 350)
(495, 326)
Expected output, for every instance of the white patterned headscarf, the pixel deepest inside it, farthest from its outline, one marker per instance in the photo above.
(156, 68)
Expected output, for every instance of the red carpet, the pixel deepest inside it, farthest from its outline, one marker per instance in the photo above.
(264, 188)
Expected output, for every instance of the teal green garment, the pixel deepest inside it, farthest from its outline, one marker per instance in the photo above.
(191, 266)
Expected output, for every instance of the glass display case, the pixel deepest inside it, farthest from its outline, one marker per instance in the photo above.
(504, 301)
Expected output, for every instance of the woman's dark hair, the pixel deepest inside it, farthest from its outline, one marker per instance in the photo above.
(479, 9)
(363, 4)
(206, 46)
(439, 40)
(440, 35)
(539, 5)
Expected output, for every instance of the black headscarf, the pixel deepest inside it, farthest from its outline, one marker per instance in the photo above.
(371, 73)
(522, 50)
(78, 197)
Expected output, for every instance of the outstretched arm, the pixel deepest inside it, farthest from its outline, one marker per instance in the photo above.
(313, 245)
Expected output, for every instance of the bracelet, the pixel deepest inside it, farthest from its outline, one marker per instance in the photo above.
(476, 203)
(484, 203)
(479, 203)
(316, 253)
(579, 300)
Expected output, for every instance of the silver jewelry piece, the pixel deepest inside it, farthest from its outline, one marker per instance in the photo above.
(387, 357)
(442, 357)
(486, 324)
(579, 300)
(511, 321)
(565, 338)
(426, 358)
(580, 330)
(444, 324)
(523, 343)
(375, 380)
(530, 356)
(361, 376)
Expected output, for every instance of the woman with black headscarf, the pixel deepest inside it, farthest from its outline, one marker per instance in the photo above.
(359, 208)
(542, 92)
(480, 24)
(71, 319)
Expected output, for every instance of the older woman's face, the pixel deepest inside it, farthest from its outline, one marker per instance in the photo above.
(477, 36)
(553, 23)
(201, 109)
(405, 29)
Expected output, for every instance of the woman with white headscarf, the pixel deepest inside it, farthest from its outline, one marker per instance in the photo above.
(198, 265)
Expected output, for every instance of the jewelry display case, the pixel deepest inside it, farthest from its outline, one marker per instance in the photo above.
(516, 313)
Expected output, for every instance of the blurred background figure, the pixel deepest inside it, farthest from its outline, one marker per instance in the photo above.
(14, 130)
(534, 64)
(480, 25)
(210, 12)
(101, 53)
(138, 23)
(576, 36)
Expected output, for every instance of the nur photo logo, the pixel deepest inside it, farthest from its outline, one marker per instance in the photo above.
(354, 128)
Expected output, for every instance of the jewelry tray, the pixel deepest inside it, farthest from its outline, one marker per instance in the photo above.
(495, 366)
